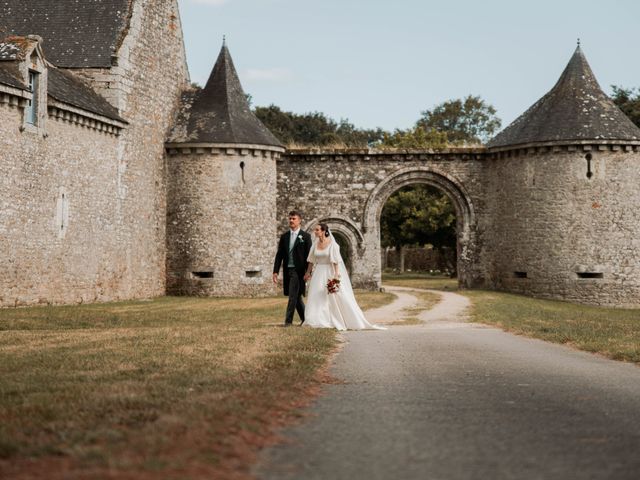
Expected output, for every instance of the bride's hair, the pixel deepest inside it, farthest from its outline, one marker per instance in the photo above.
(325, 228)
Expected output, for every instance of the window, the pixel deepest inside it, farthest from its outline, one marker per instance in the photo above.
(207, 274)
(31, 112)
(590, 274)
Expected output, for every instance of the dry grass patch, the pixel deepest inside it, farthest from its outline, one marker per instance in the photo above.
(369, 300)
(426, 301)
(408, 321)
(183, 388)
(608, 331)
(175, 387)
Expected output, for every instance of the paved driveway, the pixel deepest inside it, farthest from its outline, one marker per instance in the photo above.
(453, 400)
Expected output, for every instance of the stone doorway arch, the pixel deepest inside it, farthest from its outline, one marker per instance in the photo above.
(347, 234)
(447, 183)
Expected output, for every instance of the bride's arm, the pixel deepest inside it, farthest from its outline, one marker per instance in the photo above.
(311, 258)
(335, 259)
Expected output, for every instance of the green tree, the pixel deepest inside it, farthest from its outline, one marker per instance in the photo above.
(415, 138)
(628, 99)
(465, 121)
(420, 215)
(314, 129)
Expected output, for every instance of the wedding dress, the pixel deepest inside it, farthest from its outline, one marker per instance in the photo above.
(332, 310)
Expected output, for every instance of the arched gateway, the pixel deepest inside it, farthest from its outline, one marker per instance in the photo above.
(549, 208)
(348, 191)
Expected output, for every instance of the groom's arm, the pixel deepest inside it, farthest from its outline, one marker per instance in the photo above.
(307, 249)
(278, 261)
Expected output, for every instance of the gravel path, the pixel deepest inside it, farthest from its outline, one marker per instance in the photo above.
(455, 400)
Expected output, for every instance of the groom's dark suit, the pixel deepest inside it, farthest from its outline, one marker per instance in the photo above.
(293, 277)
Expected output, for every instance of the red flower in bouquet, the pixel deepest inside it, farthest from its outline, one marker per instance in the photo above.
(333, 285)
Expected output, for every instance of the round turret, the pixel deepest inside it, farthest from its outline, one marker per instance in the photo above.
(221, 192)
(566, 205)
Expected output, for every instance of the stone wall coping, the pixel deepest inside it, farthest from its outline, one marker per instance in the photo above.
(475, 153)
(570, 143)
(382, 152)
(16, 92)
(56, 105)
(236, 146)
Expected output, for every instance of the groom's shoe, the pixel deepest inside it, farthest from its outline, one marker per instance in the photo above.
(287, 324)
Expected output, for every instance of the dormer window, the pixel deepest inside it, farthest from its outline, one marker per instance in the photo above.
(31, 111)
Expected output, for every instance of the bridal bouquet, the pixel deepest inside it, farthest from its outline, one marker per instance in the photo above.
(333, 285)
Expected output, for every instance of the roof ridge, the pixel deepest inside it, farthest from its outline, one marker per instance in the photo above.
(221, 112)
(576, 108)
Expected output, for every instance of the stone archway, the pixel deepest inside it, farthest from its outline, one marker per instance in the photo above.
(352, 239)
(443, 181)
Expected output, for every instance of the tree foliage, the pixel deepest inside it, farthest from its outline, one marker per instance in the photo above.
(416, 137)
(420, 215)
(465, 121)
(315, 129)
(628, 100)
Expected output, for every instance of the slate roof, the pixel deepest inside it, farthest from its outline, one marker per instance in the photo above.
(9, 75)
(575, 109)
(76, 33)
(62, 85)
(9, 51)
(220, 112)
(12, 51)
(66, 88)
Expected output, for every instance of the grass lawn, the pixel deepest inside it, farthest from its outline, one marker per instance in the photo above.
(608, 331)
(170, 388)
(614, 333)
(420, 280)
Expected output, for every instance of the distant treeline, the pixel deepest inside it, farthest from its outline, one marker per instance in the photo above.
(467, 121)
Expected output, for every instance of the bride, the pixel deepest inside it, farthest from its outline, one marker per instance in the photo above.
(331, 310)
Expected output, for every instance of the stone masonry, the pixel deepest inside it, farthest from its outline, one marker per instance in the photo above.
(221, 216)
(100, 181)
(122, 181)
(347, 190)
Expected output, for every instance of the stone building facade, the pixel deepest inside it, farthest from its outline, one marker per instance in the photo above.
(122, 181)
(84, 210)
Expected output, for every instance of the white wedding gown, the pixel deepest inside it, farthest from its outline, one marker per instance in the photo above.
(332, 310)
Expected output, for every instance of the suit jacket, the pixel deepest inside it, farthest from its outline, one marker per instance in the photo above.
(300, 253)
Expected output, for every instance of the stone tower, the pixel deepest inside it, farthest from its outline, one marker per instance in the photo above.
(221, 194)
(563, 188)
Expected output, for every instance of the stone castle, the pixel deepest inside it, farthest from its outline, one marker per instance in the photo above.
(122, 181)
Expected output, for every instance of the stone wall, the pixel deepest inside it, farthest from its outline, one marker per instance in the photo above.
(221, 221)
(347, 189)
(554, 225)
(530, 220)
(145, 84)
(58, 238)
(418, 259)
(115, 247)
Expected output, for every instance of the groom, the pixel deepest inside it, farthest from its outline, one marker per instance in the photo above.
(293, 249)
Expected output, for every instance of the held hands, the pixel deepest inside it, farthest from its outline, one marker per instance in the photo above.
(307, 277)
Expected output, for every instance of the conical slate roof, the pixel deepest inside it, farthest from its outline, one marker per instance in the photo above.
(220, 112)
(575, 109)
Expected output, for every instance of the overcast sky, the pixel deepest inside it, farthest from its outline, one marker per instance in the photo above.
(380, 63)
